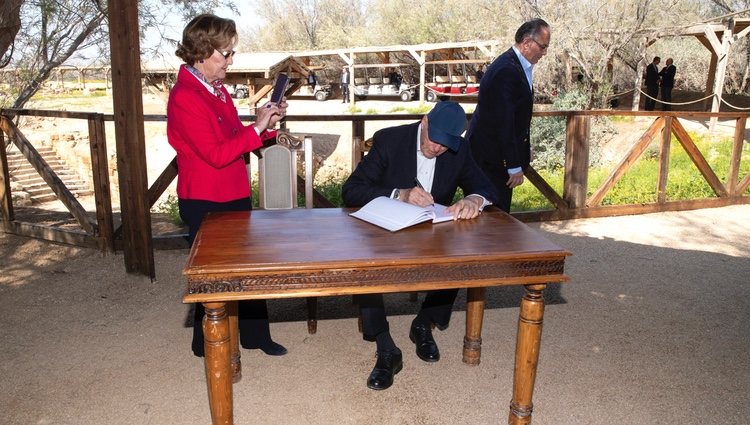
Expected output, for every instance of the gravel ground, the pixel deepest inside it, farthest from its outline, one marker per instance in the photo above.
(652, 329)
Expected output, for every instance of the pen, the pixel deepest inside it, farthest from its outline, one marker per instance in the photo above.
(419, 185)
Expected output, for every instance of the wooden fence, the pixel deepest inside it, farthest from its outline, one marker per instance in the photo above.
(575, 201)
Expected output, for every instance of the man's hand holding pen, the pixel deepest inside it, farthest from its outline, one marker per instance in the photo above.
(417, 195)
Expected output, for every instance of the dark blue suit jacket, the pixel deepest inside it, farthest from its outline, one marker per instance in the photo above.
(392, 163)
(652, 75)
(499, 129)
(667, 76)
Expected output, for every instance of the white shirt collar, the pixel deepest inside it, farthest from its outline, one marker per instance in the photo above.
(425, 166)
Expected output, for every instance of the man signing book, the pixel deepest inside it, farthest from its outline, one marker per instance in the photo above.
(420, 163)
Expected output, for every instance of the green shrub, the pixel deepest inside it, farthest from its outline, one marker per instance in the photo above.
(169, 207)
(330, 187)
(548, 133)
(637, 186)
(420, 110)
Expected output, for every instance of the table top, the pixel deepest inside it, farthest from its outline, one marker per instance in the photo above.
(325, 250)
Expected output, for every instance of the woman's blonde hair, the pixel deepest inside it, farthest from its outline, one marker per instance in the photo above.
(203, 34)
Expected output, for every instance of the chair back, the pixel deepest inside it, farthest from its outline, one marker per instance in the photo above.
(277, 173)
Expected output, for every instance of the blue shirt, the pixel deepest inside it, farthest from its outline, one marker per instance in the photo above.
(528, 69)
(527, 66)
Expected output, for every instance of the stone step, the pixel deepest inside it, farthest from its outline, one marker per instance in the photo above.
(40, 199)
(40, 183)
(52, 162)
(31, 173)
(73, 184)
(64, 175)
(36, 190)
(28, 180)
(26, 176)
(27, 171)
(40, 149)
(50, 196)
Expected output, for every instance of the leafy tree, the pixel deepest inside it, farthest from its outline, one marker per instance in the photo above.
(437, 21)
(308, 25)
(54, 31)
(608, 30)
(10, 23)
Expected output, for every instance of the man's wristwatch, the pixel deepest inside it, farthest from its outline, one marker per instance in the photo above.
(396, 193)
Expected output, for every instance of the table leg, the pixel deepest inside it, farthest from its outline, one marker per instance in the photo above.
(218, 368)
(475, 298)
(527, 354)
(234, 341)
(312, 315)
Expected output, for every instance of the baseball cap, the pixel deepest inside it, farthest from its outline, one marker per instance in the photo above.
(446, 123)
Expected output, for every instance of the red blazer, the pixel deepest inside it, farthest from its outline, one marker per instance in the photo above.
(210, 140)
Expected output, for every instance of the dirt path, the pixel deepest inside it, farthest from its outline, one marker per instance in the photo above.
(651, 329)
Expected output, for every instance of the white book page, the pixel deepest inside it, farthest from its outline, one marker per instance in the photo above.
(440, 215)
(392, 214)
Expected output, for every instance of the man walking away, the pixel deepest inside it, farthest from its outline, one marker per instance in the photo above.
(500, 127)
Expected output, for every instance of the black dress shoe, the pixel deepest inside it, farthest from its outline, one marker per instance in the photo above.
(270, 348)
(273, 349)
(421, 335)
(389, 363)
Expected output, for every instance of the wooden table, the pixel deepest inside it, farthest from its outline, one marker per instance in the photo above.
(325, 252)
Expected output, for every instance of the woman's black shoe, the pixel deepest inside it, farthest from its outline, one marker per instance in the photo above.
(273, 349)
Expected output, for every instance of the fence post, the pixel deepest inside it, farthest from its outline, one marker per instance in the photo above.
(100, 172)
(358, 135)
(358, 128)
(666, 139)
(129, 138)
(734, 164)
(356, 151)
(577, 131)
(6, 200)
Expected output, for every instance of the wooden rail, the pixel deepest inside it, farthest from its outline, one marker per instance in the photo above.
(577, 200)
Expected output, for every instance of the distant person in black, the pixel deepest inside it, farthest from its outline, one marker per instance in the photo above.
(652, 83)
(667, 83)
(480, 73)
(395, 78)
(312, 80)
(345, 85)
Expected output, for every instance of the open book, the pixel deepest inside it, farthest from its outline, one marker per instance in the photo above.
(393, 215)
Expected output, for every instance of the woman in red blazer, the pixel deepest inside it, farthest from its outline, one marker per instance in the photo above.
(203, 126)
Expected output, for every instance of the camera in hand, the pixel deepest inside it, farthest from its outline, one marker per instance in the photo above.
(282, 80)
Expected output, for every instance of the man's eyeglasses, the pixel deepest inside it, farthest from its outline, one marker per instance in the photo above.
(228, 54)
(541, 46)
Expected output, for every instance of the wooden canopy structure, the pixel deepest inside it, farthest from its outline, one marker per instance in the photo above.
(255, 70)
(258, 70)
(422, 54)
